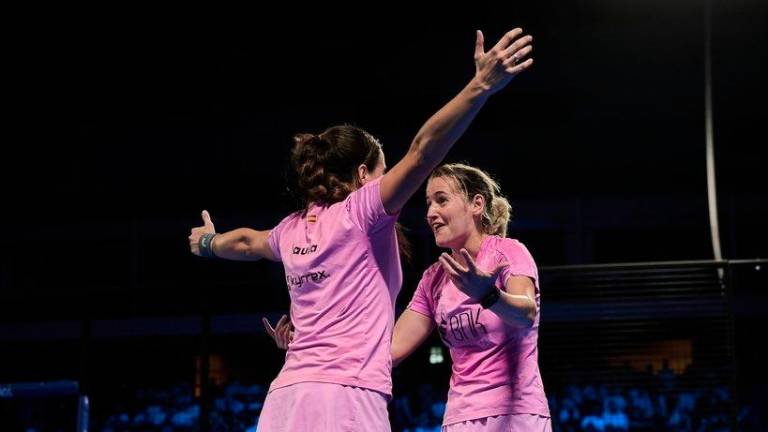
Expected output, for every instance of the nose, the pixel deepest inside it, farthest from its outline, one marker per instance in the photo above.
(431, 214)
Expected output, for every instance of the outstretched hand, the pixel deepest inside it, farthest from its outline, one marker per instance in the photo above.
(495, 68)
(471, 280)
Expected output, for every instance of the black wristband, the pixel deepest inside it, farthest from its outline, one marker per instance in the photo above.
(205, 244)
(490, 299)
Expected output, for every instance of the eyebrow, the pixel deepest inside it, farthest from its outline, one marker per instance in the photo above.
(440, 192)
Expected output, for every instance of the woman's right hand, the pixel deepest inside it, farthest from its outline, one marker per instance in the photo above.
(197, 232)
(282, 333)
(495, 68)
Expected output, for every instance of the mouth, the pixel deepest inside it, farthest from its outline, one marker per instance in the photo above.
(436, 226)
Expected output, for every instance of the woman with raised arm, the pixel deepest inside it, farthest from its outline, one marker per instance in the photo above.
(483, 298)
(340, 255)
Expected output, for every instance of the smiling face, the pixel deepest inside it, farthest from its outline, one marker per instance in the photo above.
(453, 219)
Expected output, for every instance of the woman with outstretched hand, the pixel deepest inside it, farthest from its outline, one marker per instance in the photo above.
(483, 297)
(340, 254)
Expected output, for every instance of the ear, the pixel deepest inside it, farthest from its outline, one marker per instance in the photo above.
(478, 205)
(362, 174)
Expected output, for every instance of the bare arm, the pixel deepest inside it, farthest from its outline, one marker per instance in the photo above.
(242, 244)
(494, 70)
(516, 304)
(411, 329)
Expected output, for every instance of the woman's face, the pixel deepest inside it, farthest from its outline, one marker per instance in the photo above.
(449, 214)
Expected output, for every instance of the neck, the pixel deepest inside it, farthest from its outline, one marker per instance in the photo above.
(472, 245)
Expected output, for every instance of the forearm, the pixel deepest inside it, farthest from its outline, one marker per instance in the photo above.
(242, 244)
(493, 71)
(443, 129)
(430, 145)
(515, 309)
(402, 348)
(411, 329)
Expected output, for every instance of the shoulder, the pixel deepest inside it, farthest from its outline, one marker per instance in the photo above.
(432, 274)
(292, 218)
(508, 248)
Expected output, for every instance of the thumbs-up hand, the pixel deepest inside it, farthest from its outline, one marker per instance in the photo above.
(197, 232)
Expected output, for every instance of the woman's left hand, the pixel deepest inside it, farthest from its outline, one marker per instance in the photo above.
(471, 280)
(282, 333)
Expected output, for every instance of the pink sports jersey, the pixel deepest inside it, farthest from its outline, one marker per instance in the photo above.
(342, 268)
(495, 365)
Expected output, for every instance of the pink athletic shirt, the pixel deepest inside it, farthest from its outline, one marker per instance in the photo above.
(495, 365)
(342, 268)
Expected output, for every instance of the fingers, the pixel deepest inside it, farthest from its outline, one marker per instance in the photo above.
(448, 268)
(195, 233)
(282, 322)
(281, 333)
(194, 238)
(479, 43)
(517, 57)
(284, 336)
(268, 327)
(513, 54)
(459, 268)
(516, 47)
(453, 268)
(471, 266)
(207, 221)
(520, 67)
(284, 332)
(495, 272)
(507, 39)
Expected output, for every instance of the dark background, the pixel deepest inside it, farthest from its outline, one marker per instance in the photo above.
(131, 122)
(124, 124)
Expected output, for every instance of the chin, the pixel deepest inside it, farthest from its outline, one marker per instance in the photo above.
(444, 243)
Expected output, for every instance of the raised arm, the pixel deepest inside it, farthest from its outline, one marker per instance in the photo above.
(493, 71)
